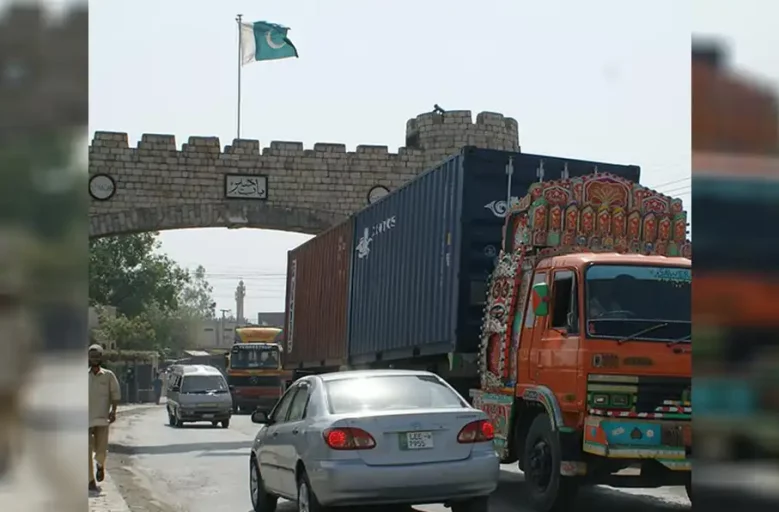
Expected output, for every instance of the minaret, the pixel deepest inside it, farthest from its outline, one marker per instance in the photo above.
(240, 294)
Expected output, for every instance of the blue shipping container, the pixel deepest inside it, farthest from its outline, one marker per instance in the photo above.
(422, 254)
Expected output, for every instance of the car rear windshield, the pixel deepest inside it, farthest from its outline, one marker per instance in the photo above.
(202, 383)
(383, 393)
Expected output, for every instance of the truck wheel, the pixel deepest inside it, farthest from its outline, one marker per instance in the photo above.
(547, 489)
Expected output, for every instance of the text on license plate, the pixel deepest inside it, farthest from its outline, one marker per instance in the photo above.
(208, 415)
(416, 440)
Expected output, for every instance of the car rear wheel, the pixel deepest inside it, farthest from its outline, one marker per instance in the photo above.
(307, 500)
(261, 500)
(225, 423)
(480, 504)
(548, 490)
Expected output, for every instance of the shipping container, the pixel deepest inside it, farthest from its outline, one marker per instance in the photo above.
(422, 254)
(316, 311)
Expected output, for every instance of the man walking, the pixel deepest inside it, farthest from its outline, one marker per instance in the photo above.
(104, 396)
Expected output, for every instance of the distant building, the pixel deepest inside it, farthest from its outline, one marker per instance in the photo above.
(240, 295)
(215, 333)
(270, 319)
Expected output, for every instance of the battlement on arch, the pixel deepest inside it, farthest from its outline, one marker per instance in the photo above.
(429, 132)
(212, 145)
(489, 130)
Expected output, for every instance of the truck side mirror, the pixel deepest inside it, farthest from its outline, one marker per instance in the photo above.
(541, 299)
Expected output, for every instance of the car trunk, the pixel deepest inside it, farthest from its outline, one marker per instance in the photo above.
(437, 430)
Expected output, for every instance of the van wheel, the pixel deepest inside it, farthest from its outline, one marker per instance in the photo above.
(225, 423)
(547, 489)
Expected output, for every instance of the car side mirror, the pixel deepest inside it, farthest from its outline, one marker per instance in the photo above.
(260, 417)
(541, 299)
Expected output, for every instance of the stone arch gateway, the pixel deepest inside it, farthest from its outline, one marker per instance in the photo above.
(155, 186)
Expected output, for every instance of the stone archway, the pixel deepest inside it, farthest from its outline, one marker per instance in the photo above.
(156, 186)
(184, 216)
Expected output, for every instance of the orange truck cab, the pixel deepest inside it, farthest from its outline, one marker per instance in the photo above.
(254, 369)
(585, 355)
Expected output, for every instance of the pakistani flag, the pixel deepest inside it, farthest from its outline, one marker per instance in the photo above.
(265, 41)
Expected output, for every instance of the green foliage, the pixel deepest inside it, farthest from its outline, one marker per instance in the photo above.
(129, 333)
(157, 302)
(126, 272)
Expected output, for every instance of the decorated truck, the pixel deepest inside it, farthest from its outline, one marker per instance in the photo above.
(254, 368)
(585, 354)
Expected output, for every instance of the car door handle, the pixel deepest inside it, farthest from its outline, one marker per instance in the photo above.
(295, 432)
(275, 434)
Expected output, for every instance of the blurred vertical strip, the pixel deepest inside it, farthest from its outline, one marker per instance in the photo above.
(735, 194)
(43, 255)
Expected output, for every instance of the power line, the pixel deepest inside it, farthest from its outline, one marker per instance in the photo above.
(661, 185)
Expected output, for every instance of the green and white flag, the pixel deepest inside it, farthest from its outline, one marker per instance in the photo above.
(265, 41)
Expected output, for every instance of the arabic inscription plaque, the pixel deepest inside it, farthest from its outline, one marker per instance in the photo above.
(246, 186)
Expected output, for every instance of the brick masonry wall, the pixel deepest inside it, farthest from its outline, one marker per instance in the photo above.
(158, 186)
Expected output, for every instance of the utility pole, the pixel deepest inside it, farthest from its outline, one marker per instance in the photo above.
(222, 326)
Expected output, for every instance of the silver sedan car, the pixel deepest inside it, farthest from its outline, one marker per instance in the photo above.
(373, 437)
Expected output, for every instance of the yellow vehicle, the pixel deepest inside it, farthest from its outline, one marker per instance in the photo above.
(254, 371)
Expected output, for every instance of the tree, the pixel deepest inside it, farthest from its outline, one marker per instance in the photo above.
(157, 302)
(197, 295)
(135, 333)
(127, 273)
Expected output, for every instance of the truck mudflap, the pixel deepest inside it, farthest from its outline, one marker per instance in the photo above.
(498, 407)
(666, 441)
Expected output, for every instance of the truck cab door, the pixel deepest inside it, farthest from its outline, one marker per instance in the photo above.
(557, 339)
(528, 347)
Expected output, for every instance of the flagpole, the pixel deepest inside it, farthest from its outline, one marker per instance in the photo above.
(240, 62)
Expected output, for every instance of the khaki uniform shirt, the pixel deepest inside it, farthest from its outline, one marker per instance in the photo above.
(103, 390)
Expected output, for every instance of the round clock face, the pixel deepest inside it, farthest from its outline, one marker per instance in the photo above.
(102, 187)
(377, 193)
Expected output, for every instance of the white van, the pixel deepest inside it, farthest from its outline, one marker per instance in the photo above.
(198, 393)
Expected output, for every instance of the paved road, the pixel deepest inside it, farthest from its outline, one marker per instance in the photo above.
(204, 469)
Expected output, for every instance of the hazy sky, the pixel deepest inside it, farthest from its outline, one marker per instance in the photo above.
(604, 80)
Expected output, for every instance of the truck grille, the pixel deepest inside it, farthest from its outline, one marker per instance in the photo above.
(631, 394)
(254, 380)
(653, 392)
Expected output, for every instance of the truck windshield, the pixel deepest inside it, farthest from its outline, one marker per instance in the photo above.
(247, 357)
(623, 300)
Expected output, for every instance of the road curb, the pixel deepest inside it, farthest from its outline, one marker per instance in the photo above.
(109, 499)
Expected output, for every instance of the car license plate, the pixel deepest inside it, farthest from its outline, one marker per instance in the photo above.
(208, 416)
(416, 440)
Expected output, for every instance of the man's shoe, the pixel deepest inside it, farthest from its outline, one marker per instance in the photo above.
(100, 473)
(93, 486)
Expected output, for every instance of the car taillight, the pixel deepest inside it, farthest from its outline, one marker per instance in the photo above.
(348, 438)
(476, 432)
